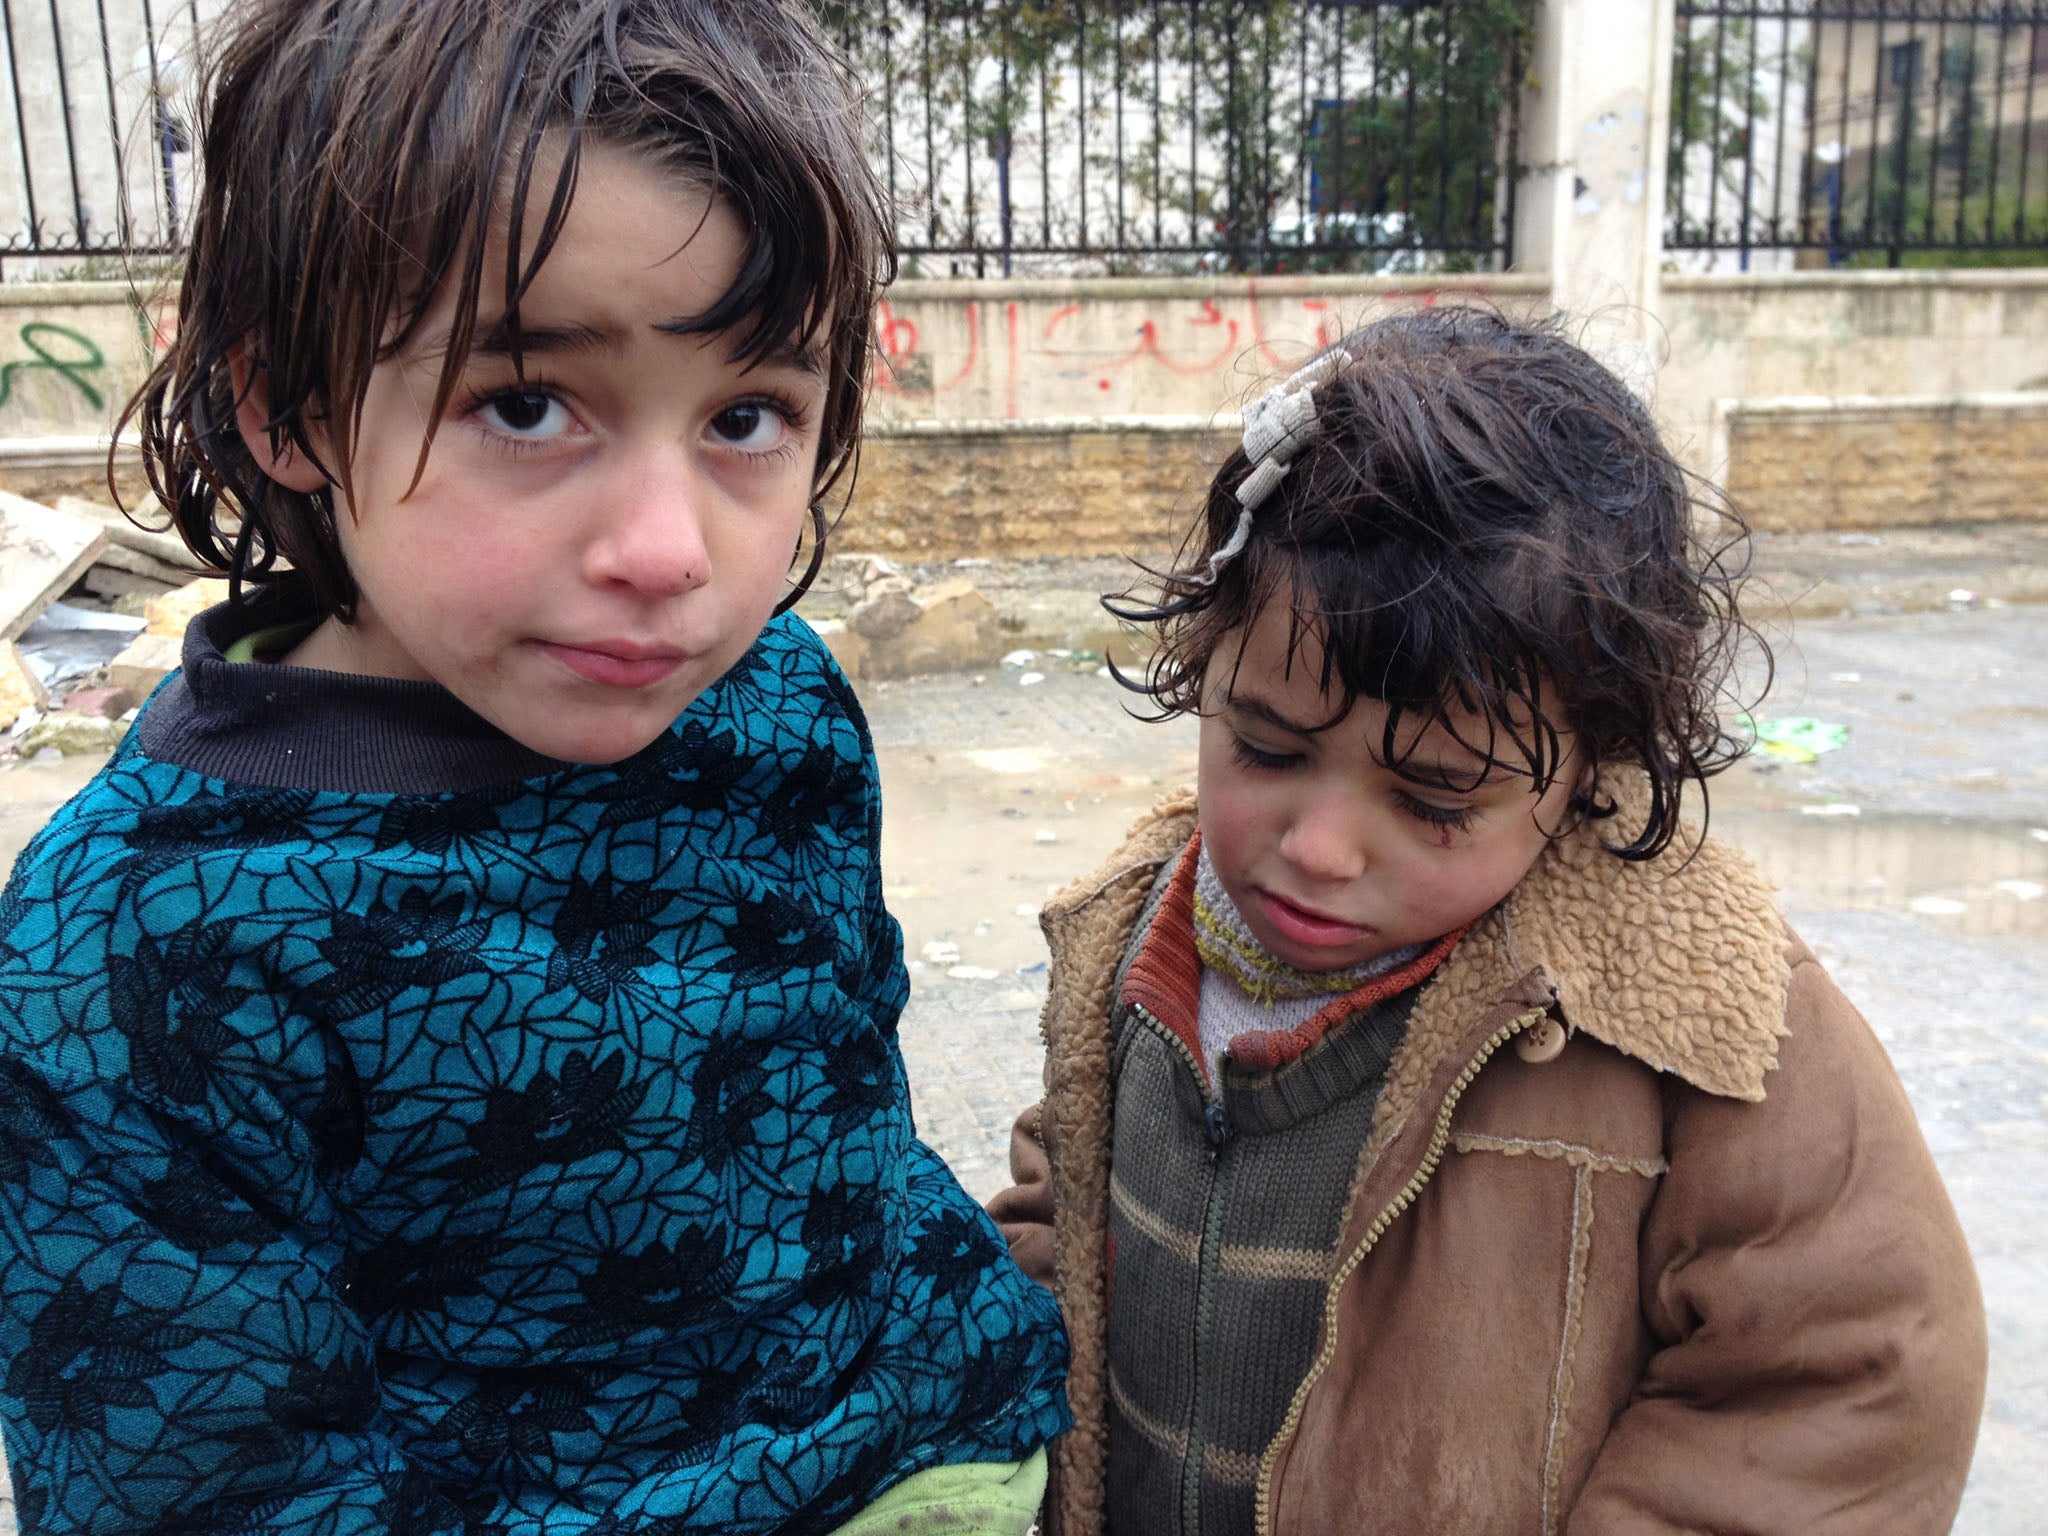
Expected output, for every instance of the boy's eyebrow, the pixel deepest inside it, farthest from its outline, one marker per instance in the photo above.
(578, 336)
(784, 354)
(496, 339)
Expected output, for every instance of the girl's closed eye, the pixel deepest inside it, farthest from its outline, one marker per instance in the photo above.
(1251, 755)
(1449, 818)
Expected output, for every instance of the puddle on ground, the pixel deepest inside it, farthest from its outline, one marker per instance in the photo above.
(1967, 876)
(974, 841)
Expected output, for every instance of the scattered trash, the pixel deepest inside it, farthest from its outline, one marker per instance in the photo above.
(1103, 672)
(1796, 738)
(2038, 834)
(1832, 808)
(971, 973)
(972, 563)
(2023, 890)
(1061, 654)
(1963, 597)
(1859, 538)
(1020, 658)
(1845, 677)
(1937, 906)
(1046, 836)
(939, 952)
(67, 641)
(1030, 678)
(983, 926)
(1033, 969)
(907, 892)
(1026, 909)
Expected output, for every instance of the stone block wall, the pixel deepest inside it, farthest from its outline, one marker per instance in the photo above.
(1873, 462)
(999, 489)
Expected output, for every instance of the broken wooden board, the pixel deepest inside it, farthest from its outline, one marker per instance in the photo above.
(165, 548)
(42, 552)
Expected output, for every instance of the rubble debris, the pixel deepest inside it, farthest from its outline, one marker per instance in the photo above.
(147, 660)
(67, 642)
(42, 553)
(169, 614)
(897, 630)
(107, 703)
(141, 550)
(20, 689)
(73, 735)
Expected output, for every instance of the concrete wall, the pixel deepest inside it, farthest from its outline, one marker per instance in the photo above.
(1926, 332)
(1090, 348)
(1084, 415)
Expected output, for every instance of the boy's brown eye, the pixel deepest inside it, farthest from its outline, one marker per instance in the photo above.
(524, 410)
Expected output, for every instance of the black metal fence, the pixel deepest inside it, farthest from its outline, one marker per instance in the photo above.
(1871, 132)
(1135, 136)
(1120, 136)
(99, 161)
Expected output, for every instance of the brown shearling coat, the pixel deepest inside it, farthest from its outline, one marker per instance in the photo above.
(1694, 1273)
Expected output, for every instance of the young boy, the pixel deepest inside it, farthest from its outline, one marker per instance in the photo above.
(448, 1076)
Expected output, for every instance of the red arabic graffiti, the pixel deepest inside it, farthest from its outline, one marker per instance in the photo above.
(1177, 346)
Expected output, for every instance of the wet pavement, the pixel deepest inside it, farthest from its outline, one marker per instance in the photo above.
(1914, 860)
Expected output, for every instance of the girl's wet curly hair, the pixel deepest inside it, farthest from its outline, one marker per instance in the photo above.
(1485, 524)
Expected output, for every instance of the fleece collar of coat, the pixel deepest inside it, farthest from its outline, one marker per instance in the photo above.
(1678, 961)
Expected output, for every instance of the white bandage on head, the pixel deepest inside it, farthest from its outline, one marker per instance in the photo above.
(1277, 425)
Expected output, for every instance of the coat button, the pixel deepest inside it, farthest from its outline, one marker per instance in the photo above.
(1541, 1043)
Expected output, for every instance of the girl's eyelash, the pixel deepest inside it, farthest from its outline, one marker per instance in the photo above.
(1454, 817)
(1249, 756)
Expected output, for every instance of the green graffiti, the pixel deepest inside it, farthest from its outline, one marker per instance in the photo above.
(88, 359)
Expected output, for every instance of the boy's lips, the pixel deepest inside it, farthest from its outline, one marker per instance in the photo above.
(1307, 927)
(617, 663)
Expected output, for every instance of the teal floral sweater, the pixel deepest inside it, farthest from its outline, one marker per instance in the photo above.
(400, 1132)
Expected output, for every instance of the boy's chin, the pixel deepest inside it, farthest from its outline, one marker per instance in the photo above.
(593, 743)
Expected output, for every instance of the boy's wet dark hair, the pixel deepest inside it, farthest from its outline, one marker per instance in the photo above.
(1485, 522)
(355, 154)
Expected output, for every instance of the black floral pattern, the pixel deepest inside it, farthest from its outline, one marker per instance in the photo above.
(489, 1162)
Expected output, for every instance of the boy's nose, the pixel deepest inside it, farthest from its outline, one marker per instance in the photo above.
(652, 536)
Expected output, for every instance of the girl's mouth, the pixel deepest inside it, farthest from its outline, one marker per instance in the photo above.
(616, 664)
(1308, 928)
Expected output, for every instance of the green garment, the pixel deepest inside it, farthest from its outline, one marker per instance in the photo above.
(988, 1498)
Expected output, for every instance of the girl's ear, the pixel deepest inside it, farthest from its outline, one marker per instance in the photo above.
(287, 466)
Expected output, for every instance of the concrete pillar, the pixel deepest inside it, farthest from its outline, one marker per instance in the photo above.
(1596, 121)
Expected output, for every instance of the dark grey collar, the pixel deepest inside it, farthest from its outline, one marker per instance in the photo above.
(297, 728)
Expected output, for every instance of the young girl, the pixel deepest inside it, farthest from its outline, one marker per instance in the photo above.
(448, 1075)
(1439, 1134)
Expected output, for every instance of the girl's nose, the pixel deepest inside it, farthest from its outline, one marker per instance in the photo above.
(652, 535)
(1329, 840)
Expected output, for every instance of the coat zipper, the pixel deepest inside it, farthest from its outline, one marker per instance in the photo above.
(1218, 1132)
(1439, 1139)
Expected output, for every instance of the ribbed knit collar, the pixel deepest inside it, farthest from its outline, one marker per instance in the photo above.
(287, 727)
(1165, 979)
